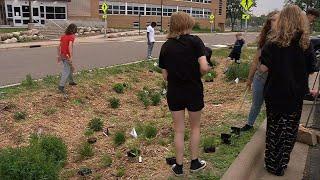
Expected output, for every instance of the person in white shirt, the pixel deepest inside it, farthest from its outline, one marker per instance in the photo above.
(151, 39)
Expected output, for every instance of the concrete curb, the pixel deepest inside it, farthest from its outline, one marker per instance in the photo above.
(242, 167)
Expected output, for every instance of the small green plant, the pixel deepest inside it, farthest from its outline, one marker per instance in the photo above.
(208, 142)
(150, 131)
(96, 124)
(120, 172)
(114, 102)
(210, 76)
(50, 80)
(49, 111)
(144, 97)
(119, 88)
(240, 71)
(20, 115)
(118, 154)
(89, 132)
(85, 151)
(119, 138)
(155, 98)
(42, 159)
(106, 161)
(78, 101)
(52, 146)
(29, 82)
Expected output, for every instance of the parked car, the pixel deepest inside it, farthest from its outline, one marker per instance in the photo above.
(316, 45)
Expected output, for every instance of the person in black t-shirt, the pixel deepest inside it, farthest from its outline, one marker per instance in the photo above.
(183, 62)
(237, 48)
(288, 58)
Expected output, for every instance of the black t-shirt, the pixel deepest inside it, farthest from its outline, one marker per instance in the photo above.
(179, 56)
(289, 69)
(238, 46)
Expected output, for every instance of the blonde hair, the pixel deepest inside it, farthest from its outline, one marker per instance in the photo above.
(180, 23)
(291, 21)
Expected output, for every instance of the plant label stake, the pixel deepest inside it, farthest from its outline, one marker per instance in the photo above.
(237, 80)
(106, 132)
(140, 159)
(133, 133)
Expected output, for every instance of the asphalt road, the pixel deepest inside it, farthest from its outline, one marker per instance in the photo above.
(15, 64)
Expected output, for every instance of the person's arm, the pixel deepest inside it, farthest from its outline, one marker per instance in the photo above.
(148, 33)
(165, 74)
(204, 66)
(266, 58)
(58, 52)
(71, 51)
(253, 67)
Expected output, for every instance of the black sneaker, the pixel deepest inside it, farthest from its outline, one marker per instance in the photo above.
(73, 84)
(247, 127)
(177, 170)
(197, 165)
(61, 89)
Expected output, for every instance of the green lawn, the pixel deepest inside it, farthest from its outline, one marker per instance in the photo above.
(9, 30)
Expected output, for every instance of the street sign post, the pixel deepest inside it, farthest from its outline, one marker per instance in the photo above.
(212, 18)
(105, 8)
(247, 4)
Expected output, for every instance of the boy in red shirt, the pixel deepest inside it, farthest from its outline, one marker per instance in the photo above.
(65, 54)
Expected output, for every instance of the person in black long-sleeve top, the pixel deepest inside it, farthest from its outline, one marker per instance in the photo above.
(288, 58)
(237, 49)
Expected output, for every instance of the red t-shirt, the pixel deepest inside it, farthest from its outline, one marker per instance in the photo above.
(64, 44)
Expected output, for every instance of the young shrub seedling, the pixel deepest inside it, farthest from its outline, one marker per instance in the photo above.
(119, 88)
(114, 102)
(155, 98)
(49, 111)
(29, 82)
(150, 131)
(240, 71)
(120, 172)
(20, 115)
(85, 151)
(119, 138)
(96, 124)
(106, 161)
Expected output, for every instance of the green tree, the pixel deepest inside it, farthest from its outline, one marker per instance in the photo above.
(305, 4)
(235, 11)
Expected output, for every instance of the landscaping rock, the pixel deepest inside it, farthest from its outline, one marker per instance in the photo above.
(84, 171)
(307, 136)
(92, 32)
(16, 34)
(112, 36)
(86, 33)
(34, 37)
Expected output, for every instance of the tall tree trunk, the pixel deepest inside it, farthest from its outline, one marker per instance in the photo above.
(30, 11)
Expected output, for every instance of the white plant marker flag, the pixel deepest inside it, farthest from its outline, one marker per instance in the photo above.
(155, 64)
(133, 133)
(140, 159)
(237, 80)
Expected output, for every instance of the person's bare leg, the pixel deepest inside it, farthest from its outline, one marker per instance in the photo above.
(195, 133)
(178, 119)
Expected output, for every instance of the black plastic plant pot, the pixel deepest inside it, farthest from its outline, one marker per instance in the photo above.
(171, 161)
(226, 138)
(211, 149)
(84, 171)
(92, 140)
(133, 153)
(236, 131)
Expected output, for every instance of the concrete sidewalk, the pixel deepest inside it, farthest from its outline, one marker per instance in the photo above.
(249, 165)
(79, 40)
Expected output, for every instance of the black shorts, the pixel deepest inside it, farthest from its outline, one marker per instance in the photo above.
(235, 56)
(179, 103)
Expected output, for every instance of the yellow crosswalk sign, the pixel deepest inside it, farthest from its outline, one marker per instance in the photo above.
(211, 17)
(246, 16)
(247, 4)
(105, 8)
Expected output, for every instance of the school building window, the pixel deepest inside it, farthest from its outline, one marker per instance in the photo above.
(220, 7)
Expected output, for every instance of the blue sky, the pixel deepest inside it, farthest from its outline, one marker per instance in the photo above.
(265, 6)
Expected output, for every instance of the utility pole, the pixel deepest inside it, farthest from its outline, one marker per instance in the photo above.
(161, 14)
